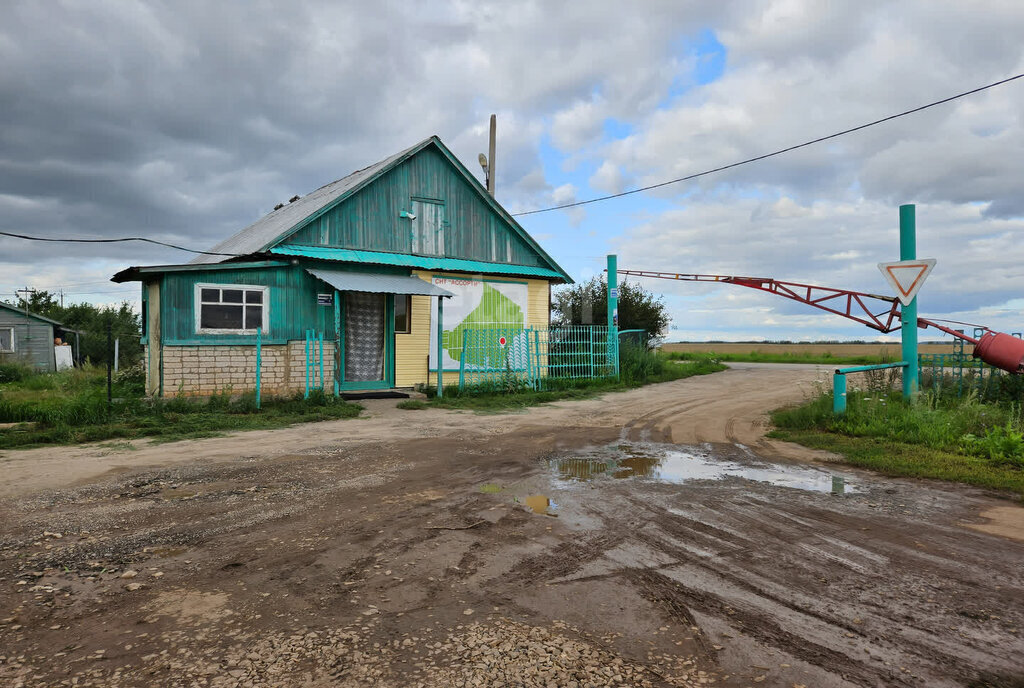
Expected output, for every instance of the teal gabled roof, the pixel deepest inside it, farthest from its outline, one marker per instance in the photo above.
(267, 233)
(347, 255)
(21, 312)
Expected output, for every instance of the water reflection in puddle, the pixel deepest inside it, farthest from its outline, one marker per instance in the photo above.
(672, 464)
(540, 504)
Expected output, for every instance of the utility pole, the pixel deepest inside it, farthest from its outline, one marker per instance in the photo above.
(28, 292)
(487, 163)
(490, 155)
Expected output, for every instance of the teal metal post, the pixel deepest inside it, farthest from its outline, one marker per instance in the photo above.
(309, 364)
(838, 393)
(536, 349)
(613, 292)
(908, 315)
(337, 342)
(462, 359)
(613, 312)
(320, 338)
(839, 381)
(259, 361)
(440, 334)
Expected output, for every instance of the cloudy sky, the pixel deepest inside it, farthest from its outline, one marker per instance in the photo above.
(185, 121)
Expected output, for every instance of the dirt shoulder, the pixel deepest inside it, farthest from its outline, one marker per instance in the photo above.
(724, 407)
(396, 550)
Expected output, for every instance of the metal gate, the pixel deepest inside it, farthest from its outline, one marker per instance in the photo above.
(532, 357)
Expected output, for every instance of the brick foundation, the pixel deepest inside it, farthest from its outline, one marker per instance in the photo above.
(206, 370)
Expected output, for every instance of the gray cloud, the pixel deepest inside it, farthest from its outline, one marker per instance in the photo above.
(184, 121)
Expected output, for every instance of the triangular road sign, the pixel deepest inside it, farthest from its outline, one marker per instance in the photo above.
(907, 276)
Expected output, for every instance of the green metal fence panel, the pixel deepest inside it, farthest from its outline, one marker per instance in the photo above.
(536, 357)
(957, 373)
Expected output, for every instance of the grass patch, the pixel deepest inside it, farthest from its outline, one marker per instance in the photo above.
(637, 367)
(946, 439)
(412, 405)
(71, 407)
(784, 357)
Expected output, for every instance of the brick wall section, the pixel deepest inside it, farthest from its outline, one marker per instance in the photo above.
(206, 370)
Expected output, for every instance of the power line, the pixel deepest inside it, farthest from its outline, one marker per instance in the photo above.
(115, 241)
(772, 154)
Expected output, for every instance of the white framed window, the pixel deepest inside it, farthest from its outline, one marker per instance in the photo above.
(231, 308)
(7, 344)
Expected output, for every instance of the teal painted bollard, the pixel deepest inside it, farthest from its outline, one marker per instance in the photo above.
(838, 393)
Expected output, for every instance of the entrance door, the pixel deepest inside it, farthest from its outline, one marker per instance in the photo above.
(367, 350)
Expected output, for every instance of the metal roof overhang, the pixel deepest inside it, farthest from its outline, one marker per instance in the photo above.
(412, 261)
(377, 283)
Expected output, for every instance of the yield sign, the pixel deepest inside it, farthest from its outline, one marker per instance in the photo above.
(907, 276)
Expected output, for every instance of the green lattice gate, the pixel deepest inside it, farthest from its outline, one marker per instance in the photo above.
(526, 356)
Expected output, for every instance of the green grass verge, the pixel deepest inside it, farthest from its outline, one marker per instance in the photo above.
(71, 408)
(760, 357)
(943, 439)
(900, 459)
(493, 399)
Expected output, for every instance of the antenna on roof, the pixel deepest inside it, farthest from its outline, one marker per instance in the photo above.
(487, 161)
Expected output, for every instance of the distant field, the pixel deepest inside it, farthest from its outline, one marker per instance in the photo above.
(889, 351)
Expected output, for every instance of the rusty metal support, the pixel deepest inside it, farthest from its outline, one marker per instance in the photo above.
(849, 304)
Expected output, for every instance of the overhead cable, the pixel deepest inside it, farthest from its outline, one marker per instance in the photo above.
(769, 155)
(115, 241)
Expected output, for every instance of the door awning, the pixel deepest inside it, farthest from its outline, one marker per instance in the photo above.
(377, 283)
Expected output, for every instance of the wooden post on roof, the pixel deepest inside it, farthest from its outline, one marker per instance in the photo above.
(490, 155)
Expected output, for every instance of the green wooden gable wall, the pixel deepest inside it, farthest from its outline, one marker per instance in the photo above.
(292, 304)
(371, 219)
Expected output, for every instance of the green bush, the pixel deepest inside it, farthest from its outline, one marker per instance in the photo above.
(1001, 445)
(15, 372)
(638, 363)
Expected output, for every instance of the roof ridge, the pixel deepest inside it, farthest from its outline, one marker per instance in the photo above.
(275, 224)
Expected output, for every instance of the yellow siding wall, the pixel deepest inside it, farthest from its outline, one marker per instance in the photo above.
(411, 350)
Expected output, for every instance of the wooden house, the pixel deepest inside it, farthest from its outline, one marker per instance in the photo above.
(357, 268)
(30, 339)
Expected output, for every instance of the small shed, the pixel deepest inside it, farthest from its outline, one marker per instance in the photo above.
(29, 338)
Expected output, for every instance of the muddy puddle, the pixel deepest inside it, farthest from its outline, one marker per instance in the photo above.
(674, 464)
(541, 504)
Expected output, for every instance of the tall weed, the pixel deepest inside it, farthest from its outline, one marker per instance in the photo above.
(933, 421)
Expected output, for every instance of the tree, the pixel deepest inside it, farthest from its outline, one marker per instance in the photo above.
(586, 303)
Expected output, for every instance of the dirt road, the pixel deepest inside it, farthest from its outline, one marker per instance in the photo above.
(653, 537)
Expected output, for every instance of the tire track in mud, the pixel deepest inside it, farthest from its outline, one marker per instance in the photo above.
(894, 628)
(562, 560)
(647, 423)
(916, 636)
(661, 589)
